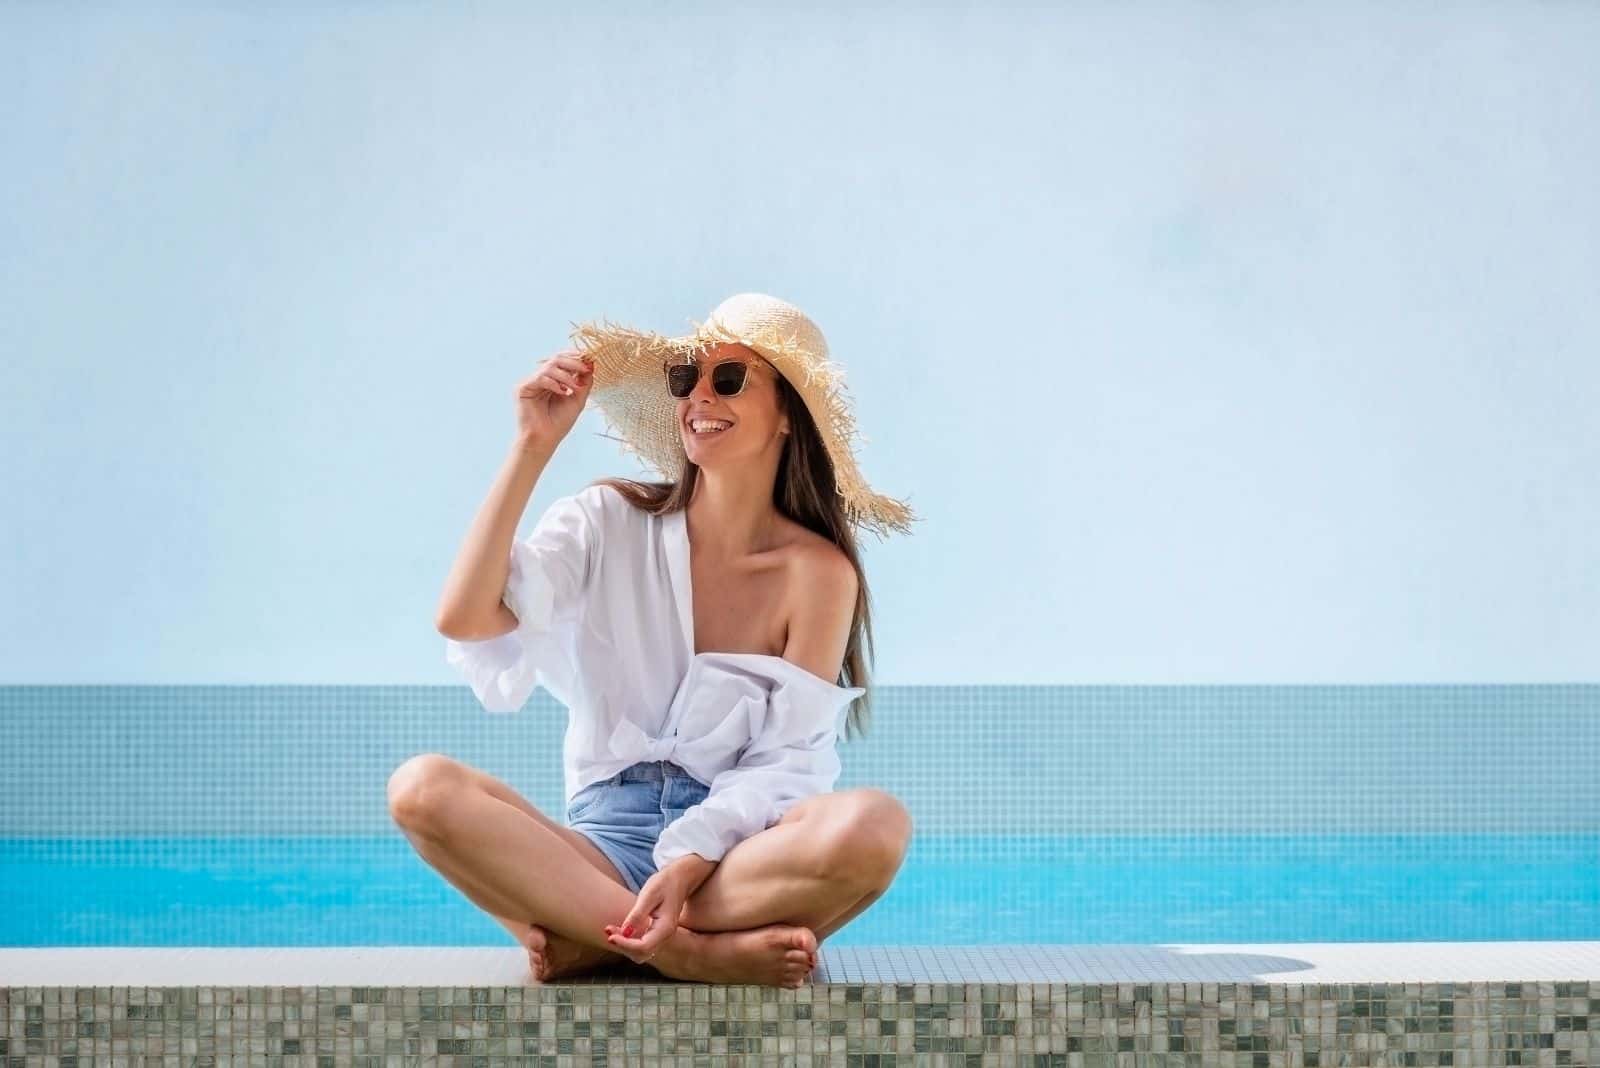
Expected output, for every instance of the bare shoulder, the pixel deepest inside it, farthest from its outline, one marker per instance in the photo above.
(817, 566)
(822, 587)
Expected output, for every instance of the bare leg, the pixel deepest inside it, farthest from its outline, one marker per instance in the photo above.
(508, 858)
(847, 915)
(820, 866)
(513, 861)
(551, 955)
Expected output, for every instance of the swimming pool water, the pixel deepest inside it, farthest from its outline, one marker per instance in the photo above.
(951, 891)
(257, 815)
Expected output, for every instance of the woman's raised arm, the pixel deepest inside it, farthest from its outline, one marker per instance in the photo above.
(548, 404)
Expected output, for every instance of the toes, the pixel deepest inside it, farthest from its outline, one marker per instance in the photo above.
(804, 958)
(804, 939)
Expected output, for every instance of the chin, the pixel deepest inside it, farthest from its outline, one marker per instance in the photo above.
(692, 448)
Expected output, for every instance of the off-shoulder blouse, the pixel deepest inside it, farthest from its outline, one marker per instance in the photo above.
(605, 617)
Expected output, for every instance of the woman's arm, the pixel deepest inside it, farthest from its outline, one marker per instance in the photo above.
(548, 403)
(470, 608)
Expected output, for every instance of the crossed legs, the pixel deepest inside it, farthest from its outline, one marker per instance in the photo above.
(820, 866)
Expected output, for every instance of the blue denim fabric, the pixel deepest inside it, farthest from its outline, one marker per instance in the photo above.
(625, 814)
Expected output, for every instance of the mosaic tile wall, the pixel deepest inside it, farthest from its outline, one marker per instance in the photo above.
(1185, 1025)
(1020, 760)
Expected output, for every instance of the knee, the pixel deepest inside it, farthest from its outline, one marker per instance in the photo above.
(418, 789)
(866, 840)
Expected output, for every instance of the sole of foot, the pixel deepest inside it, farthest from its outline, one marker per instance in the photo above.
(775, 955)
(552, 956)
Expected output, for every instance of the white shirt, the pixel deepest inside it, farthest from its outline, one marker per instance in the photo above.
(606, 624)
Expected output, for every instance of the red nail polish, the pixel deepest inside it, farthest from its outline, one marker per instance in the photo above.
(627, 932)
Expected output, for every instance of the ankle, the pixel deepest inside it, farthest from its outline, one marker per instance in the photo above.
(681, 948)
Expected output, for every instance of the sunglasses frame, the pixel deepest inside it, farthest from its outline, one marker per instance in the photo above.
(668, 365)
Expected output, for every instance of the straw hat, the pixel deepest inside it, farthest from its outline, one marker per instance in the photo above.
(631, 391)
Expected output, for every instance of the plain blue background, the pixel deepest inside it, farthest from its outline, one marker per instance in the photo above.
(1214, 343)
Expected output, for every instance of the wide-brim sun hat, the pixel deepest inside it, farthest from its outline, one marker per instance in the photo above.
(630, 391)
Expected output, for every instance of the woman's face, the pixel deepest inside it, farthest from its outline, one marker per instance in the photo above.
(751, 422)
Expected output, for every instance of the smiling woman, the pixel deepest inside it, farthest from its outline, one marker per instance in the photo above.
(700, 779)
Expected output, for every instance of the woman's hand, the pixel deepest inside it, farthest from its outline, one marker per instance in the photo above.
(548, 401)
(651, 921)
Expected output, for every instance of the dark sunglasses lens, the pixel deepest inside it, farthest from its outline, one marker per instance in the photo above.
(681, 378)
(727, 378)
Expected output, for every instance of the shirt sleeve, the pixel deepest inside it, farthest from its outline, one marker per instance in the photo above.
(792, 758)
(551, 572)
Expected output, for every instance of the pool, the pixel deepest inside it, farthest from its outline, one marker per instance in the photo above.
(257, 815)
(376, 891)
(1198, 874)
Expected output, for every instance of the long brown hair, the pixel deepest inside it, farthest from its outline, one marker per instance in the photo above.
(804, 490)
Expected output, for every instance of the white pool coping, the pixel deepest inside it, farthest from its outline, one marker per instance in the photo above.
(1288, 962)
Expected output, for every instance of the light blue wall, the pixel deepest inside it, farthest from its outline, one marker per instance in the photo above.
(1214, 343)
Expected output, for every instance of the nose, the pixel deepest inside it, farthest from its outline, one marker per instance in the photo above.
(702, 387)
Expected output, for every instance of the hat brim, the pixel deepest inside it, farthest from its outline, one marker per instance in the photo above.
(630, 392)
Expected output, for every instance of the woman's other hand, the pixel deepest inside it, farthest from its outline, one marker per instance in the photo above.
(549, 400)
(651, 921)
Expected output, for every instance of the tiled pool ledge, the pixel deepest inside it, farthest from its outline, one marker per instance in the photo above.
(1313, 1004)
(1300, 962)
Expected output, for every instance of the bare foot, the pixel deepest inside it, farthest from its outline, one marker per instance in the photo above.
(553, 956)
(775, 955)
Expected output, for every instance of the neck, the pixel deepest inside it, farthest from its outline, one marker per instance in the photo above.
(731, 512)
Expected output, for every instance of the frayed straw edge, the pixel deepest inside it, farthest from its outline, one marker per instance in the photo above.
(644, 349)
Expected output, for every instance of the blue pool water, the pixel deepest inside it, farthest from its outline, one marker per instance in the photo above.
(956, 891)
(257, 815)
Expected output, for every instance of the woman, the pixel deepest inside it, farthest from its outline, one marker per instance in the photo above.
(693, 628)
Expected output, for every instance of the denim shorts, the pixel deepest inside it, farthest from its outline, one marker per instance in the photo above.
(625, 814)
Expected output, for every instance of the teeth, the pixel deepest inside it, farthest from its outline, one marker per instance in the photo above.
(702, 426)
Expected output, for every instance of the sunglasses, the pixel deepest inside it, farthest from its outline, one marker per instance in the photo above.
(728, 378)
